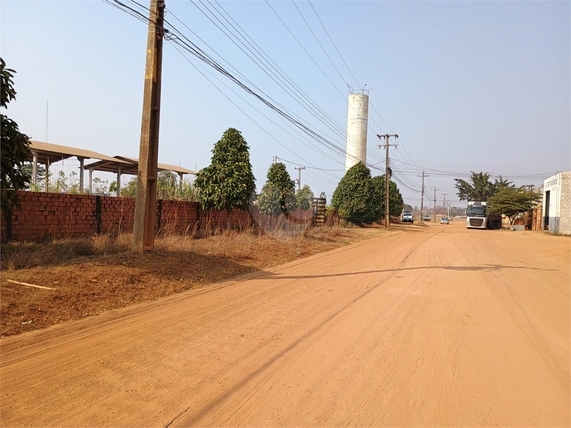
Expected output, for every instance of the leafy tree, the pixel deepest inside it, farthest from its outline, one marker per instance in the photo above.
(27, 168)
(130, 190)
(502, 184)
(355, 196)
(184, 192)
(512, 201)
(167, 187)
(481, 187)
(15, 151)
(228, 182)
(304, 198)
(100, 187)
(407, 207)
(278, 194)
(396, 203)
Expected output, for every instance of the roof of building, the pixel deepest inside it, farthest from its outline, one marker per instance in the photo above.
(131, 166)
(48, 153)
(51, 153)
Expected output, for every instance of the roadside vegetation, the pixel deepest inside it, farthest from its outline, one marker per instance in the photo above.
(502, 196)
(360, 199)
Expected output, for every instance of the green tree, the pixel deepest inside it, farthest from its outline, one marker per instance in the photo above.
(278, 194)
(512, 201)
(355, 198)
(130, 190)
(228, 182)
(304, 198)
(14, 149)
(167, 187)
(396, 203)
(100, 187)
(27, 168)
(480, 188)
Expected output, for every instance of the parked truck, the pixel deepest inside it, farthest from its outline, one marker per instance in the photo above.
(479, 217)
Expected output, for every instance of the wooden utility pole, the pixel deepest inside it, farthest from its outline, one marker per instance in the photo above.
(444, 205)
(422, 197)
(145, 204)
(434, 213)
(299, 179)
(387, 173)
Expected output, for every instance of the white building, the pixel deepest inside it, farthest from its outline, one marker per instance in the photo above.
(557, 203)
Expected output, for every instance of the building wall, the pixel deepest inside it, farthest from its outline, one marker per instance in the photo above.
(565, 203)
(557, 211)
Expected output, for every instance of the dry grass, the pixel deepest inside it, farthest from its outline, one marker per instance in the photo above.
(96, 274)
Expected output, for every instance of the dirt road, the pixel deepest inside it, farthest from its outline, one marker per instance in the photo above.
(430, 326)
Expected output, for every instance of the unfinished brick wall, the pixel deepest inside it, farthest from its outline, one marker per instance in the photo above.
(114, 215)
(178, 217)
(217, 220)
(58, 215)
(44, 215)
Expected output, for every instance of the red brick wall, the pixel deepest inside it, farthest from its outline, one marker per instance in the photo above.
(116, 215)
(45, 215)
(58, 215)
(177, 217)
(219, 219)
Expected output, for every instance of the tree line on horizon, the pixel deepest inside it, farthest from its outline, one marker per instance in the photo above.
(228, 183)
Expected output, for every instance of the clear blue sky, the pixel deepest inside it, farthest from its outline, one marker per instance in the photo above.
(467, 85)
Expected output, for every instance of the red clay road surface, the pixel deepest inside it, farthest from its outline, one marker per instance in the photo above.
(429, 326)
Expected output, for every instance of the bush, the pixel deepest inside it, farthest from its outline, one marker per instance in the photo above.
(355, 198)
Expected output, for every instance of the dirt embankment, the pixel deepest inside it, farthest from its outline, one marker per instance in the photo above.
(85, 277)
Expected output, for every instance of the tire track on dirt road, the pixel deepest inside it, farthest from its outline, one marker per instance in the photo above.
(398, 331)
(269, 374)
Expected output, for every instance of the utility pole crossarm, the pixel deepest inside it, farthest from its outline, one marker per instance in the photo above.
(299, 168)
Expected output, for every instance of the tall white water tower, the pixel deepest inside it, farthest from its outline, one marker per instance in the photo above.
(357, 123)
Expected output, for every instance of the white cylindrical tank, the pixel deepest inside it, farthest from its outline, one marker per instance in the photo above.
(357, 123)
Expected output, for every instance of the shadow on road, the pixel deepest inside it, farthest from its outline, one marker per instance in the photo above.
(488, 267)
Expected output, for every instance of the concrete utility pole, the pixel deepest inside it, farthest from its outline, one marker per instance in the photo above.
(444, 204)
(299, 179)
(387, 173)
(422, 197)
(275, 160)
(434, 204)
(145, 204)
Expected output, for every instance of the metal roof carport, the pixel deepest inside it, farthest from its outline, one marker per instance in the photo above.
(130, 166)
(47, 154)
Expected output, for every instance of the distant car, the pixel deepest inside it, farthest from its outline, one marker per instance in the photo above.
(426, 217)
(444, 220)
(407, 217)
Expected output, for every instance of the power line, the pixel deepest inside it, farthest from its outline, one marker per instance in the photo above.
(332, 42)
(318, 42)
